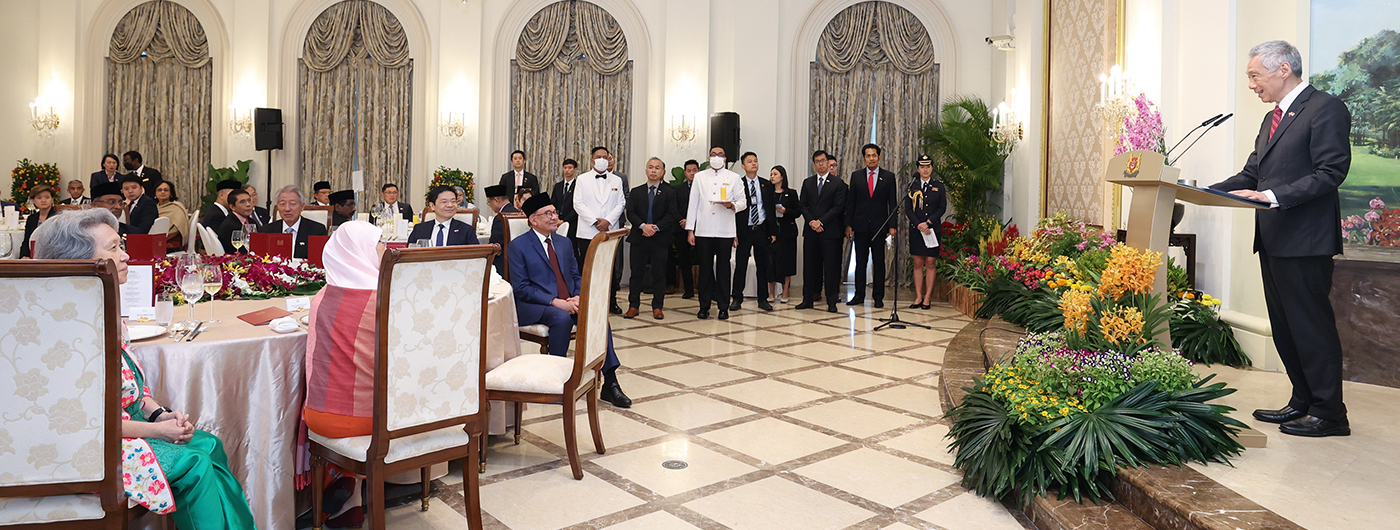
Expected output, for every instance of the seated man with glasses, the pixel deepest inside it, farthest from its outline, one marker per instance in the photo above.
(443, 230)
(108, 195)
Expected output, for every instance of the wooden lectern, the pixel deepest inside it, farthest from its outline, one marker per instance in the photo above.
(1155, 189)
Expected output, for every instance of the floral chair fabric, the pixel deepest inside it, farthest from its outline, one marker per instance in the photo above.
(537, 373)
(594, 335)
(58, 508)
(434, 344)
(357, 447)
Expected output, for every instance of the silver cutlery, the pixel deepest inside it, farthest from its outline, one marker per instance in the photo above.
(197, 330)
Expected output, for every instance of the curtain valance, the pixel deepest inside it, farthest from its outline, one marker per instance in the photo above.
(560, 32)
(876, 33)
(162, 30)
(355, 25)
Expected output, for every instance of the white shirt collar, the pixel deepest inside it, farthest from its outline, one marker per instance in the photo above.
(543, 245)
(296, 227)
(1292, 95)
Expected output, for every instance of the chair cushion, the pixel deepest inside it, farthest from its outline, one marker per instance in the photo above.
(537, 373)
(357, 447)
(28, 510)
(538, 330)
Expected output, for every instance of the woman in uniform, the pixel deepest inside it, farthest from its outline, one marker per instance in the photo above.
(925, 202)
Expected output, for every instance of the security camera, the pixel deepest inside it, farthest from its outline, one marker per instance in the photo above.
(1002, 42)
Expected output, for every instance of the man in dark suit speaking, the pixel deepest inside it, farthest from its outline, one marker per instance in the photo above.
(442, 230)
(290, 202)
(1301, 156)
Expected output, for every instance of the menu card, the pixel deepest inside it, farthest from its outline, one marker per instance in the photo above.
(138, 293)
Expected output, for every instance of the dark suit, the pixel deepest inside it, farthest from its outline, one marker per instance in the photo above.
(305, 229)
(932, 203)
(458, 233)
(215, 216)
(822, 250)
(528, 180)
(867, 215)
(405, 210)
(77, 201)
(1303, 164)
(141, 216)
(563, 198)
(30, 225)
(536, 287)
(755, 240)
(666, 215)
(226, 229)
(150, 178)
(100, 177)
(683, 257)
(262, 215)
(498, 236)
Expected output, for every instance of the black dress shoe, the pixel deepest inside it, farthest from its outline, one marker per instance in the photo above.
(688, 295)
(615, 309)
(612, 393)
(764, 305)
(803, 305)
(915, 305)
(723, 315)
(831, 308)
(879, 304)
(735, 306)
(926, 306)
(855, 301)
(703, 314)
(1316, 427)
(1283, 415)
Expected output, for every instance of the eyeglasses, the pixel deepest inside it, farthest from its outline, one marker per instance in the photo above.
(549, 214)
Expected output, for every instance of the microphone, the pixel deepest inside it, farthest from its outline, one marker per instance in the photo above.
(1202, 135)
(1188, 135)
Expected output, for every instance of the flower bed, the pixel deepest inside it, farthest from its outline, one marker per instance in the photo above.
(250, 277)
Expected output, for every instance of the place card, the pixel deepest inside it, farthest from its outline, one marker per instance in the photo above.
(138, 293)
(299, 304)
(357, 181)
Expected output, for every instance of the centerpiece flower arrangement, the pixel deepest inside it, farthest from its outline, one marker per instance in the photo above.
(1141, 129)
(26, 176)
(250, 277)
(1380, 226)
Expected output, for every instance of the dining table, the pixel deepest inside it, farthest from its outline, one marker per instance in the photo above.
(246, 384)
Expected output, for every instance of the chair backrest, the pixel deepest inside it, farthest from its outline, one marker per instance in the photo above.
(563, 229)
(430, 344)
(467, 215)
(191, 234)
(318, 215)
(161, 226)
(594, 296)
(60, 340)
(212, 245)
(512, 225)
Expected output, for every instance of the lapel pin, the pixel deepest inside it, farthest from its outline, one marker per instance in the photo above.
(1292, 114)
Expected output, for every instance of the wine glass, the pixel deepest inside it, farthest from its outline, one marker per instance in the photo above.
(7, 244)
(192, 287)
(187, 265)
(237, 239)
(213, 277)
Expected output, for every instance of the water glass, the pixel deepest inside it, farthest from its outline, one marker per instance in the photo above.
(165, 309)
(7, 243)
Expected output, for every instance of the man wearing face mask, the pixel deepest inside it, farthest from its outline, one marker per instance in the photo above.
(715, 196)
(600, 201)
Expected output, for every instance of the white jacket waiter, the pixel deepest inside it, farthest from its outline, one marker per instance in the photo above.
(599, 199)
(715, 195)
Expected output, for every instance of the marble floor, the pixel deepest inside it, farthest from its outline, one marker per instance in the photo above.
(786, 419)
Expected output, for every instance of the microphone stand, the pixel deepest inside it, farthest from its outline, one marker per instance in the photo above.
(894, 322)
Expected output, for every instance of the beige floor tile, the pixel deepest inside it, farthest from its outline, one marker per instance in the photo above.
(707, 347)
(855, 419)
(778, 504)
(835, 379)
(970, 511)
(617, 430)
(772, 440)
(765, 361)
(926, 401)
(932, 354)
(893, 366)
(658, 520)
(644, 356)
(698, 373)
(643, 466)
(928, 442)
(874, 342)
(638, 387)
(708, 327)
(411, 517)
(823, 351)
(653, 334)
(899, 526)
(620, 341)
(536, 410)
(504, 455)
(765, 339)
(768, 394)
(688, 411)
(550, 500)
(619, 324)
(764, 319)
(870, 474)
(812, 330)
(930, 381)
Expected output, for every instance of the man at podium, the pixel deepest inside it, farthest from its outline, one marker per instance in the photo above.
(1301, 156)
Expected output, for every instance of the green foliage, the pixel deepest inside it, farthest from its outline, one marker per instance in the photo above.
(1169, 370)
(27, 175)
(211, 188)
(1038, 311)
(1089, 266)
(966, 158)
(451, 176)
(1176, 278)
(1201, 336)
(1367, 77)
(678, 174)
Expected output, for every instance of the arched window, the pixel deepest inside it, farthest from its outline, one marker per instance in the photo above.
(160, 80)
(355, 103)
(570, 88)
(874, 80)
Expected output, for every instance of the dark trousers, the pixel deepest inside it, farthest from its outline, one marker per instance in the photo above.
(822, 257)
(649, 251)
(617, 269)
(683, 259)
(864, 249)
(753, 242)
(1296, 292)
(714, 270)
(580, 250)
(561, 325)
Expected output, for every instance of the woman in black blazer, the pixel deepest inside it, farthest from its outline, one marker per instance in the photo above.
(785, 248)
(111, 172)
(42, 197)
(925, 202)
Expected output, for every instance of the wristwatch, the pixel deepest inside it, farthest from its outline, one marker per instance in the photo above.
(156, 414)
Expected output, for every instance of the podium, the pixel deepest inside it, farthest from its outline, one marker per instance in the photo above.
(1155, 188)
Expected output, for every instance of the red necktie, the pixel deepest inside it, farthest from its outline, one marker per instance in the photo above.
(561, 287)
(872, 184)
(1278, 115)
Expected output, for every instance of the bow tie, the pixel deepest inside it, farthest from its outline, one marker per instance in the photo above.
(602, 175)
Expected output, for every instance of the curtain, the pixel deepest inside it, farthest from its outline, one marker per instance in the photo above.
(356, 100)
(1082, 46)
(160, 81)
(571, 90)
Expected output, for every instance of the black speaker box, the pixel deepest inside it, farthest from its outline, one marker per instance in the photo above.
(724, 132)
(267, 129)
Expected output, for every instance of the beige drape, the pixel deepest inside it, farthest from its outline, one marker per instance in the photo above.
(160, 80)
(571, 89)
(1082, 47)
(355, 103)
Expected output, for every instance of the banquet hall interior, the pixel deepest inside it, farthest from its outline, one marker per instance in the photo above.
(1053, 297)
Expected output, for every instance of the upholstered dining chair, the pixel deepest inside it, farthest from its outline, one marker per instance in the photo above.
(558, 380)
(468, 215)
(517, 224)
(60, 448)
(212, 245)
(191, 235)
(161, 226)
(430, 364)
(320, 214)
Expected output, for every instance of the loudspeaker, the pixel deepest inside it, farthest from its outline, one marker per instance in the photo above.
(724, 132)
(267, 129)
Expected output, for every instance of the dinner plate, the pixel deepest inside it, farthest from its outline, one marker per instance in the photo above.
(144, 332)
(306, 319)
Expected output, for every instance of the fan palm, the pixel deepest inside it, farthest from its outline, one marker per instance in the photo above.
(966, 157)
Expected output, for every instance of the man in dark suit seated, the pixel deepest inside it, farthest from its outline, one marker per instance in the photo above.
(75, 194)
(442, 230)
(1300, 158)
(290, 202)
(824, 205)
(342, 207)
(109, 195)
(547, 285)
(517, 177)
(260, 215)
(141, 208)
(216, 214)
(655, 217)
(149, 176)
(872, 196)
(499, 197)
(389, 192)
(321, 193)
(240, 217)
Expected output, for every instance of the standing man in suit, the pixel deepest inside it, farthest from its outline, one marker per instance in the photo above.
(215, 216)
(600, 202)
(321, 193)
(517, 177)
(141, 208)
(498, 198)
(547, 282)
(443, 230)
(389, 192)
(240, 217)
(685, 252)
(290, 202)
(1301, 156)
(823, 201)
(149, 176)
(715, 199)
(563, 197)
(260, 214)
(873, 195)
(75, 193)
(654, 214)
(757, 228)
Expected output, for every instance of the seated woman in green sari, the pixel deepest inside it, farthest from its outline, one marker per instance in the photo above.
(168, 466)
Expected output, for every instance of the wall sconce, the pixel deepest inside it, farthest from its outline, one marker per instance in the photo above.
(43, 119)
(1005, 127)
(240, 122)
(682, 131)
(450, 124)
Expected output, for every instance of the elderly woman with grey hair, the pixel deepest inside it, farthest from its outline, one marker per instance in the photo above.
(168, 466)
